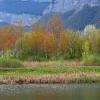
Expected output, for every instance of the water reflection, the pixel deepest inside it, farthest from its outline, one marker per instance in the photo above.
(50, 92)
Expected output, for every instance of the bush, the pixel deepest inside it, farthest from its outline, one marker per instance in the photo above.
(10, 63)
(23, 51)
(91, 60)
(7, 60)
(56, 57)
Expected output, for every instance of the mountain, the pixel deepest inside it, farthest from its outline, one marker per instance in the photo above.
(75, 13)
(67, 5)
(79, 19)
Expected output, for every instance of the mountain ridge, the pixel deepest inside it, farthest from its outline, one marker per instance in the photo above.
(11, 11)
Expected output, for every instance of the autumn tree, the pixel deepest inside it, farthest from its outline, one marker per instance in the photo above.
(9, 34)
(73, 44)
(55, 25)
(92, 35)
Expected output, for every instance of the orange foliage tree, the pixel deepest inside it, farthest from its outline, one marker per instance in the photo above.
(40, 42)
(8, 37)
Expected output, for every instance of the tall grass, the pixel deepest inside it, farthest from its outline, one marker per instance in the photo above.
(91, 60)
(50, 75)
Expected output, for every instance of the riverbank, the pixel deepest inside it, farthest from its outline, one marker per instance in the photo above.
(43, 75)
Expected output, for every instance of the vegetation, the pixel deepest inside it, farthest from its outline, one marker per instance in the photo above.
(59, 44)
(50, 75)
(91, 60)
(8, 61)
(49, 41)
(49, 70)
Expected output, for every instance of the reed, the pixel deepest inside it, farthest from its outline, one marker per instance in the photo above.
(43, 75)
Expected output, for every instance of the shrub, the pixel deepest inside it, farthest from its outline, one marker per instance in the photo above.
(10, 63)
(56, 58)
(7, 60)
(23, 51)
(91, 60)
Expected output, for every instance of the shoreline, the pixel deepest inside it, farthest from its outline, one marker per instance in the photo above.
(50, 75)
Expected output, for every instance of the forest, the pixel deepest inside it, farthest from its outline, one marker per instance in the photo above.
(47, 52)
(48, 41)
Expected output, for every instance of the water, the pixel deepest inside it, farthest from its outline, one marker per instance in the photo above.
(50, 92)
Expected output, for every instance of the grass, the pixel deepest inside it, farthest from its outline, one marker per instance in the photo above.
(69, 74)
(48, 70)
(91, 60)
(52, 63)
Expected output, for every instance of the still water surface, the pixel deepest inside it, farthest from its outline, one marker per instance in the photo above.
(50, 92)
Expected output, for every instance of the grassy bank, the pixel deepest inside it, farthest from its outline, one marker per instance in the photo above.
(84, 74)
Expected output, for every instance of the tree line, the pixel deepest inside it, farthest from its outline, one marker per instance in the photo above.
(48, 40)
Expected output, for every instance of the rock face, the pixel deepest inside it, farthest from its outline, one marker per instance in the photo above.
(79, 19)
(66, 5)
(38, 7)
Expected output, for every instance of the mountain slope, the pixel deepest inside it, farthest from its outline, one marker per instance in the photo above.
(87, 15)
(67, 5)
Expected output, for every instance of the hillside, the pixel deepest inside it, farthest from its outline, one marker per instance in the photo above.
(79, 19)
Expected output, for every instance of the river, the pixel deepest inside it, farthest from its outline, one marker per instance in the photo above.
(50, 92)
